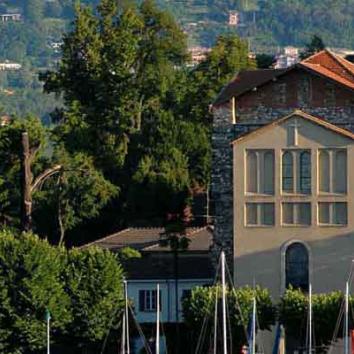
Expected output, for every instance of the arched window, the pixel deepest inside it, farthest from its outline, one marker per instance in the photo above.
(324, 171)
(268, 181)
(297, 266)
(251, 172)
(305, 172)
(287, 172)
(340, 180)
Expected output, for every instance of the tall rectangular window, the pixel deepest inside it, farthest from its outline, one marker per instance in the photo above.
(332, 171)
(260, 214)
(332, 213)
(296, 171)
(260, 171)
(148, 300)
(296, 214)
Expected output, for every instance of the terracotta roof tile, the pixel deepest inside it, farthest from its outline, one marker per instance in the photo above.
(324, 63)
(329, 74)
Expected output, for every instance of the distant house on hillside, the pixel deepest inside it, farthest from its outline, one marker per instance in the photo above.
(198, 54)
(234, 18)
(5, 120)
(156, 266)
(289, 57)
(10, 17)
(7, 65)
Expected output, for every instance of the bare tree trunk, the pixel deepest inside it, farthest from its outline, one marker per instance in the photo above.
(26, 207)
(60, 211)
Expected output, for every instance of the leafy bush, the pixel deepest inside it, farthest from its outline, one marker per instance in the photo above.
(82, 289)
(30, 283)
(200, 306)
(293, 313)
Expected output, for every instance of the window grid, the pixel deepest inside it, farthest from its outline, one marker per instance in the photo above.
(260, 214)
(260, 171)
(296, 214)
(296, 171)
(148, 300)
(332, 170)
(332, 213)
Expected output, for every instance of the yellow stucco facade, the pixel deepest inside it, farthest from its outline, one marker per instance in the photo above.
(260, 246)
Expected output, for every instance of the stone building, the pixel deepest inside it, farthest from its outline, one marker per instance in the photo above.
(281, 192)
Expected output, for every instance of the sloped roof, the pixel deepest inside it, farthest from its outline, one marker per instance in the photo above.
(147, 239)
(298, 113)
(157, 262)
(245, 81)
(324, 63)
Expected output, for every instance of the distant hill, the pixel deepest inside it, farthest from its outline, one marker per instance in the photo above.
(269, 23)
(33, 38)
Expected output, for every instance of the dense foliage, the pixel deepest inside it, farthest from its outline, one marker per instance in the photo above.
(291, 312)
(82, 289)
(134, 107)
(199, 309)
(77, 193)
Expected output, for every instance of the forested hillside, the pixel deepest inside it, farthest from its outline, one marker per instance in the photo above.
(34, 39)
(268, 23)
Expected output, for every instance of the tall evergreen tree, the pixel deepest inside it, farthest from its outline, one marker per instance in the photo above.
(314, 46)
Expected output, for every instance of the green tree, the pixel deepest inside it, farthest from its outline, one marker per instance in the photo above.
(116, 76)
(200, 307)
(293, 312)
(30, 280)
(94, 283)
(10, 156)
(265, 61)
(76, 194)
(34, 10)
(96, 76)
(314, 46)
(225, 60)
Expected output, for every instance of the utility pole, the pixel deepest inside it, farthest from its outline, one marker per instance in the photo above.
(26, 207)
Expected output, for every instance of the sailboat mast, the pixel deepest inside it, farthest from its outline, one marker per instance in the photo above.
(310, 319)
(126, 316)
(123, 335)
(346, 334)
(158, 319)
(216, 321)
(254, 327)
(223, 283)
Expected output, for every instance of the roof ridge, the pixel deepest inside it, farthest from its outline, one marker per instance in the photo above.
(339, 60)
(105, 238)
(325, 50)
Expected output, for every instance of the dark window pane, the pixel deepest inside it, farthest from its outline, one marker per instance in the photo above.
(287, 172)
(297, 266)
(305, 172)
